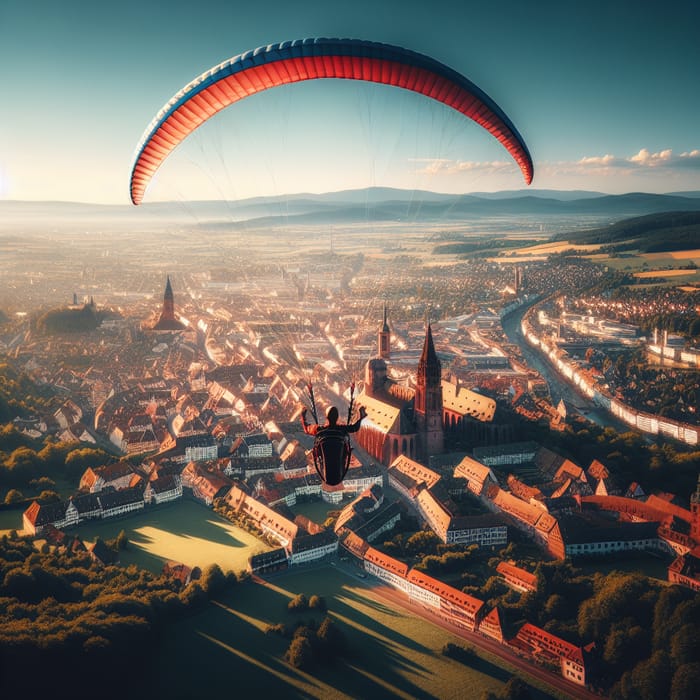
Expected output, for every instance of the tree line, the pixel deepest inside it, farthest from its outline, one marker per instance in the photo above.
(56, 607)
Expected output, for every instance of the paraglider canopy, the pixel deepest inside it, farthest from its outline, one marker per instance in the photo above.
(311, 59)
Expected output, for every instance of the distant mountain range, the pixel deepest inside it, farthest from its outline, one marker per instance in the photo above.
(378, 204)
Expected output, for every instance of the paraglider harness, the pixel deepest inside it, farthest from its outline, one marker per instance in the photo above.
(332, 450)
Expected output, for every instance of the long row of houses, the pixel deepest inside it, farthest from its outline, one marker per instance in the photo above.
(362, 522)
(465, 611)
(589, 385)
(109, 503)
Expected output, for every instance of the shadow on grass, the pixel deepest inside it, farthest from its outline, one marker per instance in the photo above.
(373, 603)
(473, 661)
(227, 650)
(484, 666)
(380, 661)
(185, 519)
(194, 521)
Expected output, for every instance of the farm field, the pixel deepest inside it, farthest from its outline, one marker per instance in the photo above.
(185, 531)
(391, 654)
(666, 273)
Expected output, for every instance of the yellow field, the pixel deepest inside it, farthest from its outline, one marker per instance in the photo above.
(542, 251)
(519, 258)
(183, 531)
(556, 247)
(664, 273)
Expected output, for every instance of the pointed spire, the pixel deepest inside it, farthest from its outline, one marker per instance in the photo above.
(167, 320)
(385, 326)
(429, 356)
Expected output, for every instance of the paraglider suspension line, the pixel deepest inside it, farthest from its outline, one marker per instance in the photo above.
(310, 389)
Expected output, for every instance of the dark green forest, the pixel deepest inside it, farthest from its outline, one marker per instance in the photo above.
(59, 609)
(654, 233)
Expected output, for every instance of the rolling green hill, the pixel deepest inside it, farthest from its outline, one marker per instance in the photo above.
(653, 233)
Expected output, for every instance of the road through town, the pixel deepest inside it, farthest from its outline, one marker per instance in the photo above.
(559, 388)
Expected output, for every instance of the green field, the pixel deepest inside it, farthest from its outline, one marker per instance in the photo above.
(630, 563)
(391, 654)
(318, 510)
(223, 650)
(185, 531)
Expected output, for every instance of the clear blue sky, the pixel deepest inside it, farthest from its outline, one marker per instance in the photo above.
(605, 93)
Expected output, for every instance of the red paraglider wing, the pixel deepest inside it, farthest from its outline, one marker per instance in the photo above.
(311, 59)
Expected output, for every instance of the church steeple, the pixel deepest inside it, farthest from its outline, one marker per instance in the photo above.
(168, 302)
(428, 401)
(167, 320)
(384, 338)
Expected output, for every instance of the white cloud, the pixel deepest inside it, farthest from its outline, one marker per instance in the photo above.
(644, 159)
(652, 160)
(605, 168)
(690, 160)
(605, 161)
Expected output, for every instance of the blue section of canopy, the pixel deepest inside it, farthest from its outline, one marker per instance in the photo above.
(323, 47)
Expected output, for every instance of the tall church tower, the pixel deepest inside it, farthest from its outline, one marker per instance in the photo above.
(428, 401)
(384, 338)
(167, 320)
(168, 312)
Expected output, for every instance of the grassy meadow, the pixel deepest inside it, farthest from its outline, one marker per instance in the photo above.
(10, 520)
(224, 650)
(185, 531)
(391, 653)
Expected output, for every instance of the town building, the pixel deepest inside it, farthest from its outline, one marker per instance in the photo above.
(121, 502)
(517, 578)
(205, 481)
(163, 489)
(117, 476)
(684, 570)
(479, 477)
(549, 648)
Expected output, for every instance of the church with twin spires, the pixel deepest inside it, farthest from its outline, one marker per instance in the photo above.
(414, 421)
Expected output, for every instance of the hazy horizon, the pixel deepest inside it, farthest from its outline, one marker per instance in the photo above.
(486, 194)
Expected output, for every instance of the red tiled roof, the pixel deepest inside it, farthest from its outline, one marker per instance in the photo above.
(415, 470)
(507, 569)
(555, 646)
(386, 562)
(448, 593)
